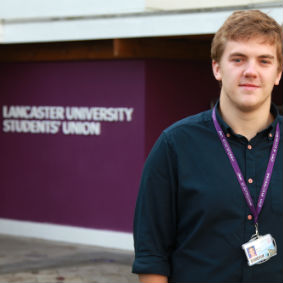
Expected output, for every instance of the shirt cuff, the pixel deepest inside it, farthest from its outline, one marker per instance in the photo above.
(151, 264)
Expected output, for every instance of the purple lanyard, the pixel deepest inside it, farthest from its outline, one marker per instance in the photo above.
(239, 174)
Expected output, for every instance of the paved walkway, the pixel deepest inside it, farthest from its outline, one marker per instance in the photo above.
(32, 260)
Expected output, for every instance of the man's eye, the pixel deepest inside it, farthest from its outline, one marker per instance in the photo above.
(264, 61)
(237, 60)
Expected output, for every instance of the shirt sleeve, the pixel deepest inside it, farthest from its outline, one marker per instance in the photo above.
(155, 215)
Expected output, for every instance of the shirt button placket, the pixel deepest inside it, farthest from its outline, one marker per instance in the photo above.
(250, 173)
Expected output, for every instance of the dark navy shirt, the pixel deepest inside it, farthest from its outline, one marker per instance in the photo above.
(191, 216)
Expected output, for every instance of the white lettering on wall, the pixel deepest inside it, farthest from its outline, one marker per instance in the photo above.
(33, 112)
(31, 126)
(67, 120)
(81, 128)
(99, 114)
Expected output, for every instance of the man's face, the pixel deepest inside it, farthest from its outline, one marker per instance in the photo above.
(248, 71)
(252, 252)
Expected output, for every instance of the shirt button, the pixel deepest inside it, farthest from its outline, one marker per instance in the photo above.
(250, 147)
(250, 180)
(250, 217)
(228, 135)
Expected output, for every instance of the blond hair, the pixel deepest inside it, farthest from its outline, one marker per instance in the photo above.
(244, 25)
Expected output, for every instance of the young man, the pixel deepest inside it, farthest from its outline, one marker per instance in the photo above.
(213, 181)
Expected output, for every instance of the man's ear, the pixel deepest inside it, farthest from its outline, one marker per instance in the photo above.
(216, 70)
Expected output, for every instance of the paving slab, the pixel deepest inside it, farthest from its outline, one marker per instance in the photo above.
(32, 260)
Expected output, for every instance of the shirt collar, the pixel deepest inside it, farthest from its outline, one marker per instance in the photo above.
(269, 131)
(225, 127)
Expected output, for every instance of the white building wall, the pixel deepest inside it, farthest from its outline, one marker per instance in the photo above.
(65, 20)
(203, 4)
(38, 9)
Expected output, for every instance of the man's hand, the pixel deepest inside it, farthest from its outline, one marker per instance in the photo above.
(152, 278)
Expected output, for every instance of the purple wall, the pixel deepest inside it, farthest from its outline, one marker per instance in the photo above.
(92, 181)
(174, 90)
(278, 93)
(88, 181)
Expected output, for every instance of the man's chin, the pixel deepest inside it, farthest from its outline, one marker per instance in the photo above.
(250, 106)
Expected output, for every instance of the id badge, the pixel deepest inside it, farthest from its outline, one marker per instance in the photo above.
(260, 249)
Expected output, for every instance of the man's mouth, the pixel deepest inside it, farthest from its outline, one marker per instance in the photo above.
(249, 85)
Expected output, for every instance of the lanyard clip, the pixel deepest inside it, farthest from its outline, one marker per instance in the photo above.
(256, 235)
(256, 230)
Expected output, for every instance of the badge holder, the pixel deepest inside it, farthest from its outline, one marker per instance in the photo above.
(259, 249)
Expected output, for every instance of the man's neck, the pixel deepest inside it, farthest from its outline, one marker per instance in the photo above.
(247, 123)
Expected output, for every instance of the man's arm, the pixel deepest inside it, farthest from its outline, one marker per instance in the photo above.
(155, 219)
(152, 278)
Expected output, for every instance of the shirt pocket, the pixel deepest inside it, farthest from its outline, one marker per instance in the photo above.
(276, 187)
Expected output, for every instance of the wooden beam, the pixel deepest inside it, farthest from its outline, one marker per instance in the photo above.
(57, 51)
(163, 48)
(191, 47)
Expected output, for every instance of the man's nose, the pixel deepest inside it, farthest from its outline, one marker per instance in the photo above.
(250, 69)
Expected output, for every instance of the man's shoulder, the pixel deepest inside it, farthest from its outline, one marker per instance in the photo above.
(201, 119)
